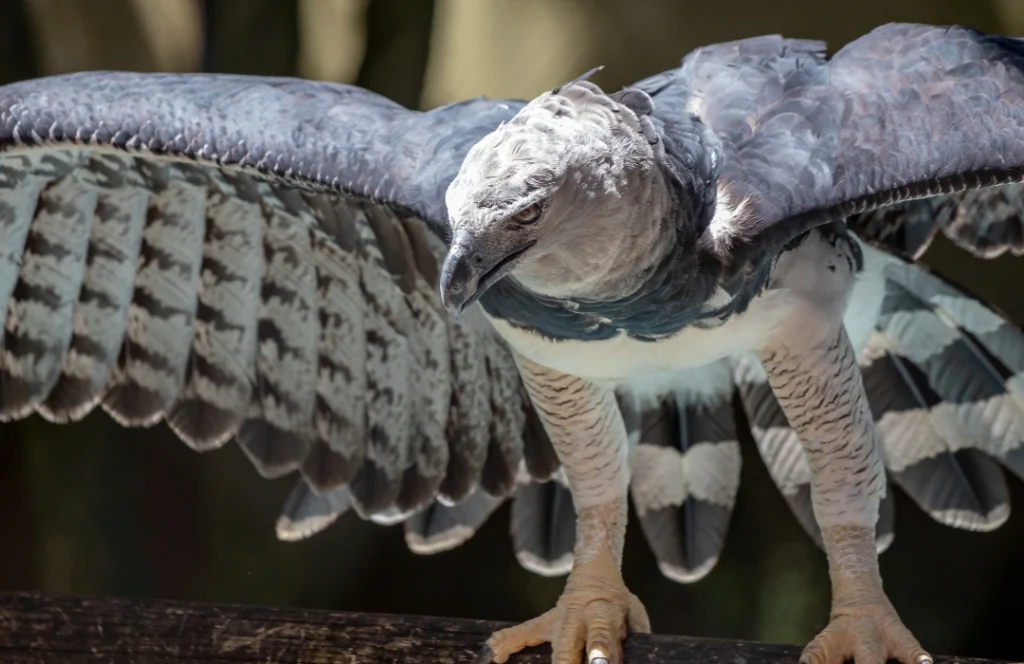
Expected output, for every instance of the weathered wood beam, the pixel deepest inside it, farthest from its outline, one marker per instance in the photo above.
(37, 627)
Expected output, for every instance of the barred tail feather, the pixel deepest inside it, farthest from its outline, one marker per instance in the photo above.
(943, 371)
(440, 527)
(961, 488)
(989, 360)
(685, 468)
(543, 526)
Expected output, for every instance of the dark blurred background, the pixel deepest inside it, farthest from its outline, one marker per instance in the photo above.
(92, 508)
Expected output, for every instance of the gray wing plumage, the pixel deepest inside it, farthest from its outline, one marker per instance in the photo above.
(905, 112)
(970, 357)
(255, 259)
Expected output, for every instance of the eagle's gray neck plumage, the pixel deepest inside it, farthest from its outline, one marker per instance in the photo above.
(667, 288)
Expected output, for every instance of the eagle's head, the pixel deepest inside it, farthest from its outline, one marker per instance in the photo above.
(542, 195)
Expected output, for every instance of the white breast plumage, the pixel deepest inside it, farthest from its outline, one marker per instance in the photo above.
(808, 281)
(623, 357)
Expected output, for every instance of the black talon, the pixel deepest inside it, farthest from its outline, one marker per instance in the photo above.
(486, 655)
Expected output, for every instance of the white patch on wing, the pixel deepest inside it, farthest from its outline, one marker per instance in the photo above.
(706, 471)
(390, 517)
(293, 531)
(996, 423)
(928, 340)
(664, 482)
(968, 520)
(306, 513)
(909, 437)
(726, 223)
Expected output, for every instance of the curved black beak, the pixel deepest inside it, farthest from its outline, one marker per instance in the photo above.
(471, 267)
(459, 282)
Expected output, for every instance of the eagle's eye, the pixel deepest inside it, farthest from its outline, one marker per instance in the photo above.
(528, 215)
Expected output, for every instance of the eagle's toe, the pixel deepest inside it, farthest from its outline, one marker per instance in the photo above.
(867, 634)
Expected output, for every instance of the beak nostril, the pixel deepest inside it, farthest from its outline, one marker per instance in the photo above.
(477, 260)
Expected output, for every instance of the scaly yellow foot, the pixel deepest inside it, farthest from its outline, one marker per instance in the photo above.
(867, 634)
(592, 617)
(863, 625)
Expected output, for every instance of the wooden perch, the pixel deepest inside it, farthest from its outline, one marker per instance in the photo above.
(56, 628)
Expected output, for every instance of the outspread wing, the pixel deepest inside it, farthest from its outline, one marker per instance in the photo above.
(905, 112)
(256, 259)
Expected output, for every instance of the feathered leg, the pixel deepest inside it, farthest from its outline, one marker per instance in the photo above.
(592, 616)
(816, 380)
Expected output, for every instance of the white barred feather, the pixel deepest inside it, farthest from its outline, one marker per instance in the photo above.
(221, 375)
(151, 369)
(102, 305)
(40, 313)
(307, 325)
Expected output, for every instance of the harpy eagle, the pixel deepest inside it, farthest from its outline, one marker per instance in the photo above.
(276, 261)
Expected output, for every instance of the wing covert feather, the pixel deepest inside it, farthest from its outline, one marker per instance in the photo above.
(903, 113)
